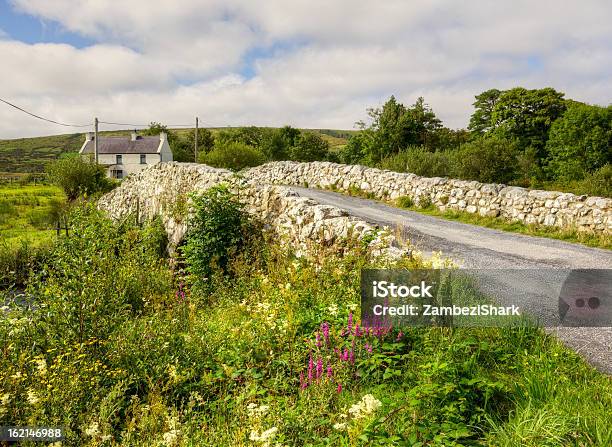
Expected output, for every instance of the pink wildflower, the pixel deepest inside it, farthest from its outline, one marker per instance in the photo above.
(319, 368)
(339, 388)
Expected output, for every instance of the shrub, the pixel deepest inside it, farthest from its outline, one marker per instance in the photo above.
(486, 159)
(310, 147)
(405, 202)
(419, 161)
(233, 155)
(579, 141)
(218, 230)
(77, 176)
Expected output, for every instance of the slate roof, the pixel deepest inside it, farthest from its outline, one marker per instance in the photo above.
(124, 145)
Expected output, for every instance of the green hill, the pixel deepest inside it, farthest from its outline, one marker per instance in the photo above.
(27, 155)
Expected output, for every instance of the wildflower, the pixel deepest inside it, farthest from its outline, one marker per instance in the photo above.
(310, 369)
(333, 310)
(350, 321)
(399, 336)
(339, 388)
(265, 437)
(340, 426)
(319, 368)
(318, 340)
(330, 372)
(93, 429)
(368, 405)
(303, 383)
(170, 437)
(32, 397)
(368, 347)
(325, 331)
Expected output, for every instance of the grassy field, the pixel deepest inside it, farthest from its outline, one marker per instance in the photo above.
(26, 213)
(25, 155)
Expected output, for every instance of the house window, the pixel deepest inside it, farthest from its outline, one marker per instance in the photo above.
(143, 159)
(119, 160)
(117, 173)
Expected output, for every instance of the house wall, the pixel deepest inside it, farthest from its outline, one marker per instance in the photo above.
(166, 152)
(130, 162)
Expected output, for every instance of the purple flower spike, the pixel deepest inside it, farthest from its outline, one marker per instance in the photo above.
(350, 321)
(339, 388)
(319, 368)
(330, 372)
(310, 369)
(352, 356)
(399, 336)
(325, 330)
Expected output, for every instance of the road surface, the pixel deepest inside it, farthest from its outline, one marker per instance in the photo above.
(525, 268)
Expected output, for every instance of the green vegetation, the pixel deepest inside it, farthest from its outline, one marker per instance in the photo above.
(78, 177)
(119, 351)
(29, 212)
(233, 155)
(531, 138)
(28, 216)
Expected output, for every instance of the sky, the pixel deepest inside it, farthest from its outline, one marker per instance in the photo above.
(307, 63)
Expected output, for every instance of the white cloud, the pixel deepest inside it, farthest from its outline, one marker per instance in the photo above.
(171, 60)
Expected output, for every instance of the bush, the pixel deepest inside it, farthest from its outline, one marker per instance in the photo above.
(486, 159)
(310, 147)
(579, 142)
(218, 230)
(234, 156)
(419, 161)
(77, 176)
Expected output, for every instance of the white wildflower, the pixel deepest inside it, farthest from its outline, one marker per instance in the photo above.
(41, 365)
(340, 426)
(93, 429)
(170, 437)
(368, 405)
(333, 310)
(352, 307)
(265, 437)
(32, 397)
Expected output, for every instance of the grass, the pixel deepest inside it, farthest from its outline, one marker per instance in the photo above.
(26, 213)
(425, 207)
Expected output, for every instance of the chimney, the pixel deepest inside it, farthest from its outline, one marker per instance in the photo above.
(163, 136)
(89, 136)
(134, 136)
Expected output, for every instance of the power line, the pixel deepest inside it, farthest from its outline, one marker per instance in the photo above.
(43, 118)
(86, 125)
(143, 125)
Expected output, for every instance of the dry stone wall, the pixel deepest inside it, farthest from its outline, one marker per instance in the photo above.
(563, 210)
(163, 190)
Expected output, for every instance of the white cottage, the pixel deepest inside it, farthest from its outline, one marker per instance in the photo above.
(126, 155)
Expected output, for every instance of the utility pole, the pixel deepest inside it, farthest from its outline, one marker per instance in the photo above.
(195, 153)
(96, 138)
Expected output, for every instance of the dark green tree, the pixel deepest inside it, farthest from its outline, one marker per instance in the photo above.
(310, 147)
(481, 120)
(579, 141)
(526, 116)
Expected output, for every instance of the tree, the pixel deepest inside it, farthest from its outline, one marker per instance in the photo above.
(486, 159)
(310, 147)
(233, 155)
(77, 176)
(279, 142)
(481, 120)
(526, 116)
(395, 127)
(579, 141)
(206, 140)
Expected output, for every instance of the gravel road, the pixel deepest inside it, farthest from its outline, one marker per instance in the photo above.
(536, 285)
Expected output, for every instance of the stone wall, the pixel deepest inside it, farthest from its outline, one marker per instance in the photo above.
(550, 208)
(163, 190)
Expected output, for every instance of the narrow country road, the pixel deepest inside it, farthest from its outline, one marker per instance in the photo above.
(520, 269)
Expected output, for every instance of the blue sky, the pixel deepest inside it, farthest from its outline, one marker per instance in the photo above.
(308, 63)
